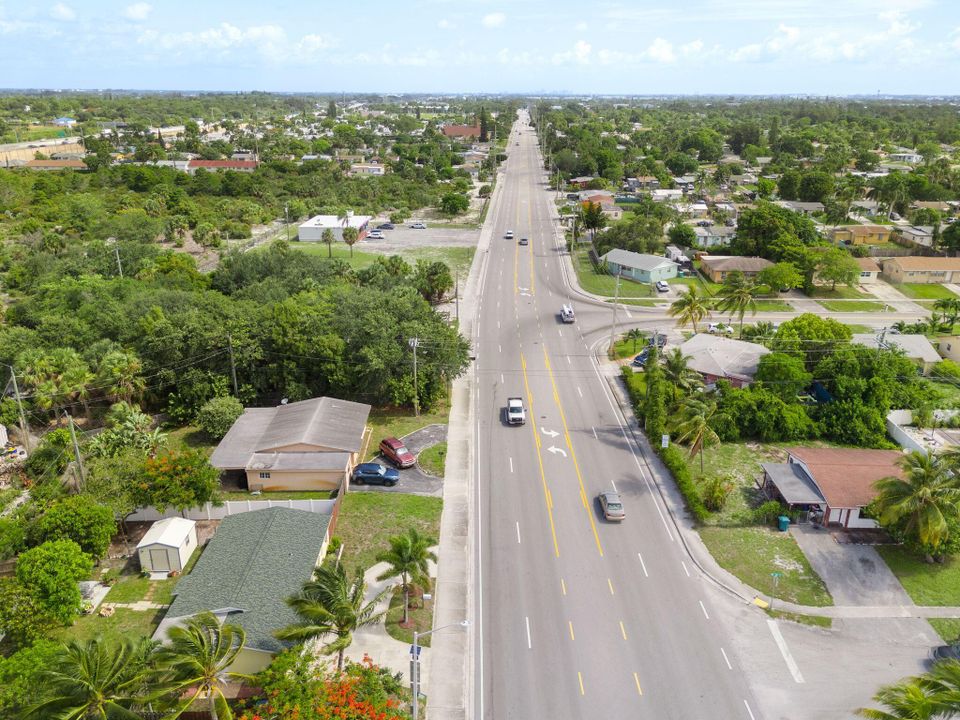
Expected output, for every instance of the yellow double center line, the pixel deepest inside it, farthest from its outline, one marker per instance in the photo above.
(548, 498)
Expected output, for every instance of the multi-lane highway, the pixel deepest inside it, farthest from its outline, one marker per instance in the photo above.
(579, 618)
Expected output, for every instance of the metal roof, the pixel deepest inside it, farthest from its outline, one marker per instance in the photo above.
(637, 261)
(299, 461)
(794, 484)
(171, 532)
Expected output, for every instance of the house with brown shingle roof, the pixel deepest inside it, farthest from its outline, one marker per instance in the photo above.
(717, 267)
(832, 484)
(461, 131)
(66, 164)
(869, 270)
(916, 269)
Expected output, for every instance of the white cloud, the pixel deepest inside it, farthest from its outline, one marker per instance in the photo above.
(266, 42)
(581, 26)
(580, 54)
(493, 20)
(138, 11)
(62, 12)
(661, 51)
(445, 24)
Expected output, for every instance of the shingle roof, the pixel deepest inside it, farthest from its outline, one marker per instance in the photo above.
(916, 262)
(729, 263)
(254, 562)
(723, 357)
(299, 461)
(916, 347)
(867, 264)
(637, 261)
(846, 476)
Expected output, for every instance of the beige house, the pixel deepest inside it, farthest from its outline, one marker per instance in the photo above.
(949, 348)
(869, 270)
(717, 267)
(307, 445)
(915, 269)
(863, 234)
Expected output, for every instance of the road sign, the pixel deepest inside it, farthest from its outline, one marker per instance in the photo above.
(419, 648)
(664, 441)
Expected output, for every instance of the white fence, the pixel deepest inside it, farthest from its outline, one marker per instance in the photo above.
(232, 507)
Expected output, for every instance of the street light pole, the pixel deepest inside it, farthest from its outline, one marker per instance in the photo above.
(414, 343)
(415, 664)
(613, 326)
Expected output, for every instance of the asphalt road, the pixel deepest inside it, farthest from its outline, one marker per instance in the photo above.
(579, 618)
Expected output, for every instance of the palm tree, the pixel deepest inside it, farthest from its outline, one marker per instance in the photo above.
(119, 371)
(408, 558)
(96, 679)
(737, 297)
(950, 307)
(634, 334)
(199, 657)
(694, 426)
(332, 604)
(924, 501)
(944, 680)
(762, 332)
(690, 308)
(908, 699)
(350, 237)
(328, 238)
(678, 373)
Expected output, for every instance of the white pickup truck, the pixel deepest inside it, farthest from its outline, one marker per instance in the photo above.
(516, 415)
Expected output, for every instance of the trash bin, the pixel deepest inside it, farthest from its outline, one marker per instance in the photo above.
(783, 522)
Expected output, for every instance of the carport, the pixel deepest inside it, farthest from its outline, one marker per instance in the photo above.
(789, 483)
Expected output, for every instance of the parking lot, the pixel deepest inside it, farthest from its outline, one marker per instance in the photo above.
(413, 480)
(405, 238)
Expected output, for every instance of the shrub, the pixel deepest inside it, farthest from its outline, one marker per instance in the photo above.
(677, 465)
(51, 572)
(636, 390)
(767, 513)
(218, 415)
(715, 491)
(946, 368)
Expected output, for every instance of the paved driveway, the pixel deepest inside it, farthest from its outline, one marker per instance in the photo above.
(854, 574)
(413, 481)
(893, 297)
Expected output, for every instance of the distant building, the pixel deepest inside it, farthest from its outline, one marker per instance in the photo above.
(64, 122)
(463, 132)
(911, 157)
(915, 347)
(56, 165)
(312, 229)
(247, 166)
(801, 208)
(360, 169)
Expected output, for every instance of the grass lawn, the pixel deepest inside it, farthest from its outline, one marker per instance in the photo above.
(815, 620)
(840, 292)
(433, 458)
(190, 437)
(947, 394)
(131, 588)
(359, 260)
(641, 303)
(947, 628)
(752, 554)
(7, 495)
(368, 519)
(855, 328)
(772, 305)
(925, 583)
(124, 623)
(710, 288)
(397, 422)
(624, 348)
(602, 283)
(855, 306)
(925, 291)
(420, 615)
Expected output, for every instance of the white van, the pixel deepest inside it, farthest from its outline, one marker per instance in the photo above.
(566, 314)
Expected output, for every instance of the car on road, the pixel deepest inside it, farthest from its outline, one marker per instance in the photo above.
(375, 235)
(662, 286)
(611, 505)
(385, 226)
(418, 226)
(374, 474)
(719, 329)
(516, 415)
(566, 314)
(524, 241)
(508, 235)
(641, 359)
(396, 452)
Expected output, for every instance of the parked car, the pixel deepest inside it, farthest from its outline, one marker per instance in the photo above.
(418, 226)
(524, 241)
(945, 652)
(659, 338)
(662, 286)
(641, 359)
(612, 506)
(375, 235)
(396, 452)
(385, 226)
(719, 329)
(730, 222)
(374, 474)
(704, 223)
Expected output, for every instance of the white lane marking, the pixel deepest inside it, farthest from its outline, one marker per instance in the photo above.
(614, 486)
(518, 532)
(550, 293)
(629, 315)
(559, 332)
(785, 651)
(498, 324)
(747, 706)
(529, 643)
(685, 568)
(594, 432)
(643, 565)
(579, 391)
(501, 378)
(726, 659)
(500, 347)
(511, 464)
(704, 608)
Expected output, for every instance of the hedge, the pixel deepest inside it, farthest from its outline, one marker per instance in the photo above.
(677, 465)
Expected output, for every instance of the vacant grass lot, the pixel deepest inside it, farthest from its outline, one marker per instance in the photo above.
(368, 519)
(855, 306)
(926, 583)
(925, 291)
(752, 554)
(840, 292)
(601, 282)
(190, 437)
(947, 394)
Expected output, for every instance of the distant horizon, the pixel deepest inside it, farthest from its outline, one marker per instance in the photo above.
(529, 47)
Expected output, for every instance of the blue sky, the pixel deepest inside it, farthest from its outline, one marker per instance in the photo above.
(823, 47)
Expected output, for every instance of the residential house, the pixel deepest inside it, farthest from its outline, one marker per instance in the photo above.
(906, 156)
(833, 484)
(167, 546)
(949, 348)
(644, 182)
(254, 562)
(696, 211)
(582, 181)
(677, 255)
(601, 197)
(862, 234)
(717, 267)
(714, 235)
(611, 210)
(938, 205)
(70, 164)
(916, 347)
(312, 229)
(64, 122)
(801, 208)
(244, 166)
(717, 357)
(869, 270)
(461, 132)
(932, 438)
(915, 269)
(367, 169)
(639, 267)
(666, 194)
(307, 445)
(917, 234)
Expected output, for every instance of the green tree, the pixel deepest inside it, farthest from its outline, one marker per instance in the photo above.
(51, 572)
(679, 374)
(737, 297)
(682, 235)
(765, 188)
(198, 658)
(432, 280)
(837, 265)
(328, 238)
(177, 478)
(694, 426)
(78, 518)
(592, 217)
(332, 604)
(788, 186)
(690, 308)
(217, 415)
(484, 125)
(634, 335)
(408, 557)
(816, 186)
(23, 620)
(909, 699)
(454, 203)
(950, 307)
(119, 372)
(784, 375)
(332, 110)
(96, 679)
(21, 676)
(922, 503)
(782, 275)
(350, 237)
(654, 411)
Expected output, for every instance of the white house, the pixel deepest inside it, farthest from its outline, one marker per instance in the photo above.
(312, 229)
(167, 545)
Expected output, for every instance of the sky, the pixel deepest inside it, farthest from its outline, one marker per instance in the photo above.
(630, 47)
